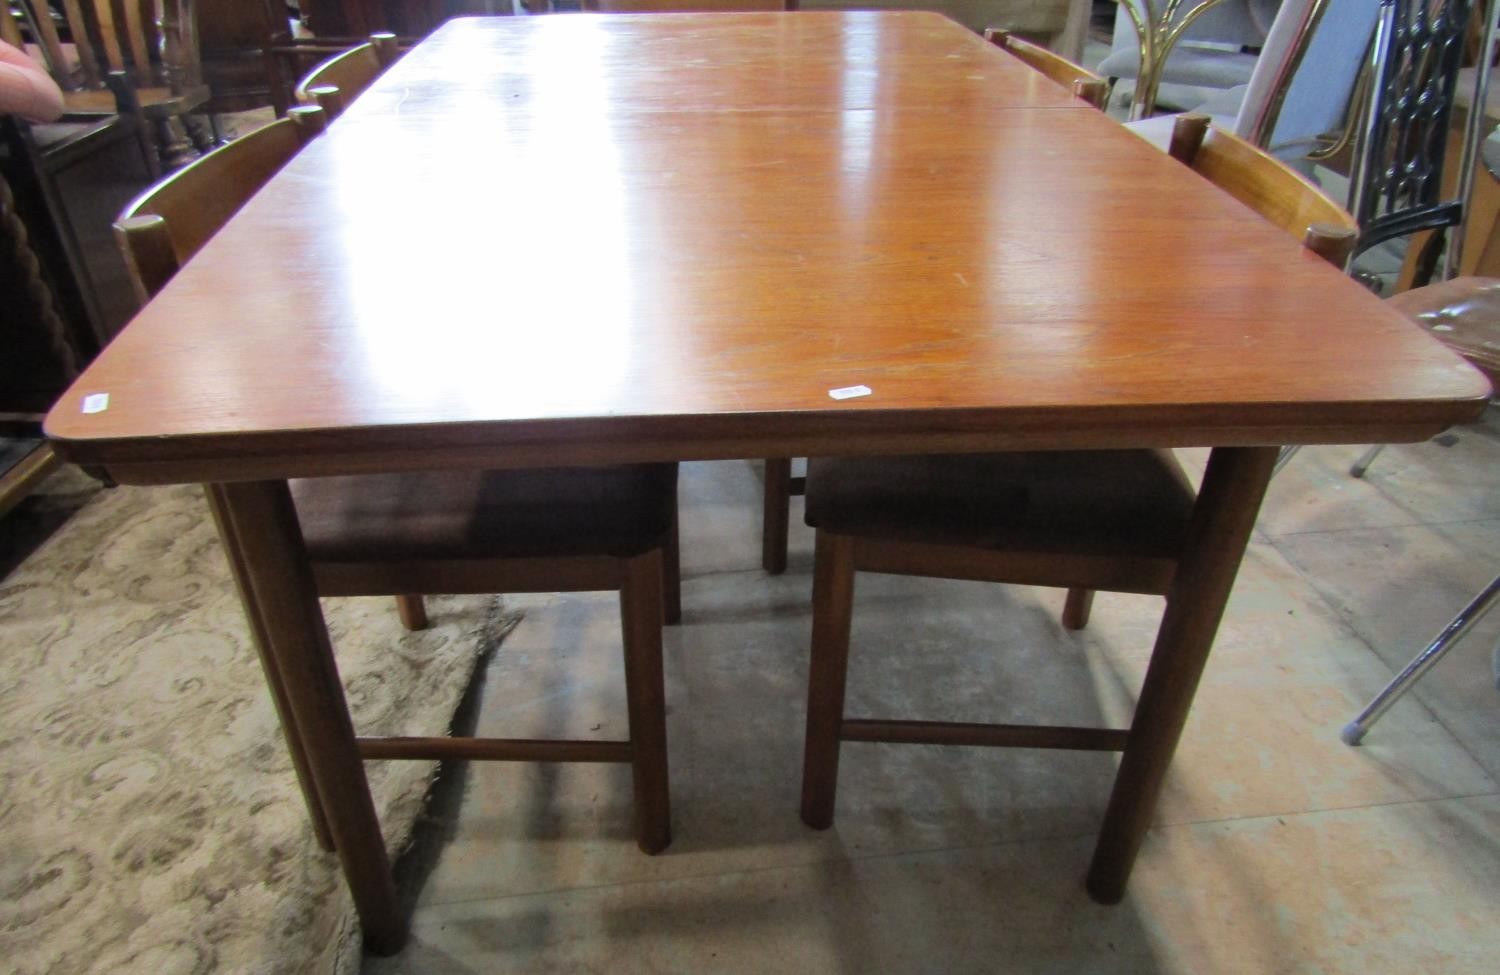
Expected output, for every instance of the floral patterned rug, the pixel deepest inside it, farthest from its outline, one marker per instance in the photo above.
(149, 817)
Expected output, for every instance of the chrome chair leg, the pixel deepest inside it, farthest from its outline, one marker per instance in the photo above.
(1365, 460)
(1287, 453)
(1451, 634)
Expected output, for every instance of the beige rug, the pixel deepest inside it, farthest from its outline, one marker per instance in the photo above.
(149, 817)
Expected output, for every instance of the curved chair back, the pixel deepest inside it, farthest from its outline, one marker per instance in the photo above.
(336, 82)
(1083, 83)
(1266, 185)
(168, 223)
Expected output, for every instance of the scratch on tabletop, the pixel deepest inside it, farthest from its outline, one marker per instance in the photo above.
(961, 279)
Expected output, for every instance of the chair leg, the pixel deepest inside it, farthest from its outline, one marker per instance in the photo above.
(1075, 615)
(672, 576)
(1354, 732)
(1365, 460)
(833, 606)
(645, 693)
(776, 519)
(412, 611)
(1285, 457)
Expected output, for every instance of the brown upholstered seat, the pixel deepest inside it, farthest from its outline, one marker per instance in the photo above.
(1117, 502)
(1118, 520)
(620, 511)
(561, 530)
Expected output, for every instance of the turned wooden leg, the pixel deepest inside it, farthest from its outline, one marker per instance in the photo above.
(1075, 614)
(646, 698)
(275, 563)
(1223, 517)
(294, 747)
(413, 612)
(833, 608)
(776, 517)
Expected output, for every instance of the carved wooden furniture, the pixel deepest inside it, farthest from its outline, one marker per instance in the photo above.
(153, 44)
(455, 532)
(340, 79)
(28, 316)
(757, 208)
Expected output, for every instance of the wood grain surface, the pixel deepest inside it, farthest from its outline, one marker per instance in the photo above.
(590, 239)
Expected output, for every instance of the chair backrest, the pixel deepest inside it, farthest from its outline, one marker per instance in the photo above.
(166, 225)
(1305, 77)
(685, 6)
(336, 82)
(1396, 182)
(154, 42)
(1083, 83)
(1266, 185)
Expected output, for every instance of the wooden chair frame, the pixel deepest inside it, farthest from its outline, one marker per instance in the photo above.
(780, 486)
(1083, 83)
(160, 231)
(1195, 593)
(337, 81)
(157, 60)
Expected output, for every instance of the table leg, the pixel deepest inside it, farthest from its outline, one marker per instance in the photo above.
(275, 563)
(234, 553)
(1223, 518)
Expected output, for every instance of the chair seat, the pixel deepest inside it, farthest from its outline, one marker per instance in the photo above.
(153, 101)
(1115, 502)
(620, 511)
(1464, 314)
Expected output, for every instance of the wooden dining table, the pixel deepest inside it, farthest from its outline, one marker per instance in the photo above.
(584, 239)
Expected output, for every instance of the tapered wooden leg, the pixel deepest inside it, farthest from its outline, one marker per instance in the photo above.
(294, 747)
(776, 518)
(1223, 517)
(672, 576)
(275, 562)
(833, 607)
(1076, 610)
(413, 612)
(646, 698)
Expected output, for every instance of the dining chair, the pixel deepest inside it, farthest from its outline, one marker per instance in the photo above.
(550, 530)
(151, 44)
(1083, 83)
(336, 82)
(1437, 648)
(1117, 520)
(1463, 314)
(779, 485)
(1301, 97)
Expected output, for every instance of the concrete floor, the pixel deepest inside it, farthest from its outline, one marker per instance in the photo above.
(1276, 847)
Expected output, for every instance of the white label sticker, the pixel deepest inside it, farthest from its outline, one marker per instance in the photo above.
(96, 402)
(849, 392)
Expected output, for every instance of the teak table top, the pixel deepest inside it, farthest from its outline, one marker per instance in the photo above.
(531, 243)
